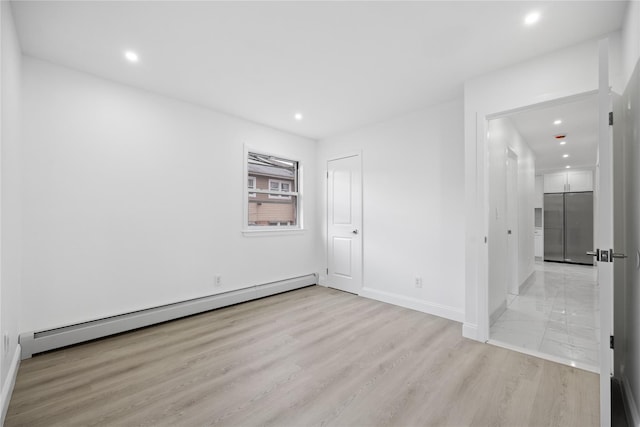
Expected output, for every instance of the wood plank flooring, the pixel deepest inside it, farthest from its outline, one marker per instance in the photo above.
(314, 356)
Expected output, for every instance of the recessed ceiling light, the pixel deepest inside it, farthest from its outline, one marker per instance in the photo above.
(131, 56)
(557, 122)
(568, 167)
(298, 116)
(565, 155)
(532, 18)
(563, 142)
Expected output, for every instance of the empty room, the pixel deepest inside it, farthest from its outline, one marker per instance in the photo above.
(297, 213)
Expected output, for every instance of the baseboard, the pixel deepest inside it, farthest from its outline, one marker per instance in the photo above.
(633, 416)
(40, 341)
(527, 282)
(9, 383)
(497, 312)
(440, 310)
(470, 331)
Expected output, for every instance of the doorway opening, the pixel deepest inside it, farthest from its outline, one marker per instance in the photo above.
(543, 292)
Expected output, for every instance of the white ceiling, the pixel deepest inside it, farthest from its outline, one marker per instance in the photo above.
(341, 64)
(579, 123)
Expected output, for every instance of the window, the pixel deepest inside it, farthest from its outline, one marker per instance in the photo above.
(279, 187)
(252, 185)
(272, 192)
(279, 223)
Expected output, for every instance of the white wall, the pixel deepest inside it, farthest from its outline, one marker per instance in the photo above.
(497, 233)
(133, 200)
(630, 40)
(413, 207)
(526, 208)
(539, 189)
(10, 194)
(561, 74)
(505, 136)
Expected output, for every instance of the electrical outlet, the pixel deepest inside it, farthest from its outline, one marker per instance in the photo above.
(418, 282)
(217, 281)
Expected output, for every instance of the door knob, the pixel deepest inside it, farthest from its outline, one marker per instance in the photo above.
(595, 254)
(355, 231)
(605, 256)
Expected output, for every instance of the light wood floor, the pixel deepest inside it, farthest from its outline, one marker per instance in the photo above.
(314, 356)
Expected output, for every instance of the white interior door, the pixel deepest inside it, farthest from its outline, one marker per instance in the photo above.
(512, 223)
(344, 228)
(604, 232)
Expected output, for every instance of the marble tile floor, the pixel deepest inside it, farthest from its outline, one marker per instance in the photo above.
(557, 314)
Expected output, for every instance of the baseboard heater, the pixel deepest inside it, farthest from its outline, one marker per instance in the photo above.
(38, 342)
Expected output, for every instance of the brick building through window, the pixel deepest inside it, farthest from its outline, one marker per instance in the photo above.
(273, 191)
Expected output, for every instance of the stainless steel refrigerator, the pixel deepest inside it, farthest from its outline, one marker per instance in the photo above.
(568, 227)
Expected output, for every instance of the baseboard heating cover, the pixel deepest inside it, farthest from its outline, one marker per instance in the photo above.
(38, 342)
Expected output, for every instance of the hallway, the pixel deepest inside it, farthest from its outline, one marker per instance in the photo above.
(556, 316)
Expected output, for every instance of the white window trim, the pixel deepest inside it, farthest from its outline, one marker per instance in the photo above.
(265, 230)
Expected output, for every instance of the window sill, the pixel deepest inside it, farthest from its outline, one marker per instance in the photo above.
(272, 232)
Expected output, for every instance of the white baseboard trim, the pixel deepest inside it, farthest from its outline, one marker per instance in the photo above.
(39, 341)
(322, 280)
(498, 312)
(527, 282)
(9, 383)
(439, 310)
(470, 331)
(633, 416)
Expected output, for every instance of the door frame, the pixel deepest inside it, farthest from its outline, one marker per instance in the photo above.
(344, 155)
(482, 178)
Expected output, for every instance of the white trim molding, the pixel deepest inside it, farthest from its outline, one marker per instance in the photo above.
(470, 331)
(497, 313)
(440, 310)
(9, 383)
